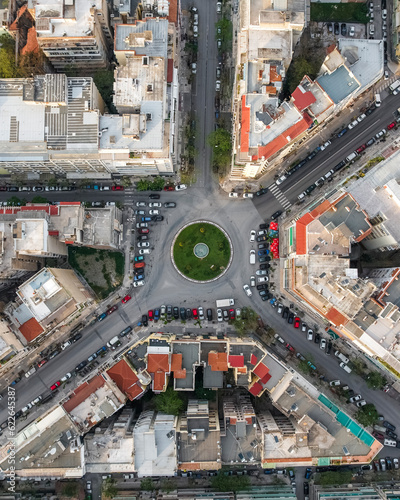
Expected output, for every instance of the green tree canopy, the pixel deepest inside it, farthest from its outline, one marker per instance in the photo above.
(169, 402)
(375, 380)
(221, 482)
(221, 143)
(39, 199)
(246, 323)
(104, 81)
(147, 484)
(332, 477)
(109, 488)
(367, 415)
(226, 29)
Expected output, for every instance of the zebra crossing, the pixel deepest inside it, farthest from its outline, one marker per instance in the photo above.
(279, 196)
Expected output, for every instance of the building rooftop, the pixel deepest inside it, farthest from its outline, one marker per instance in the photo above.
(102, 227)
(365, 59)
(126, 379)
(145, 38)
(339, 84)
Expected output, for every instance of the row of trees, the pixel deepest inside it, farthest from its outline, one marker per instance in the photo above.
(27, 64)
(150, 185)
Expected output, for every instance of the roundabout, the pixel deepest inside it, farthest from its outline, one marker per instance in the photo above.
(201, 251)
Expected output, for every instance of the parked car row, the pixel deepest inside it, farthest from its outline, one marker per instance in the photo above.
(169, 313)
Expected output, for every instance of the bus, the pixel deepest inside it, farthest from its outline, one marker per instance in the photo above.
(394, 86)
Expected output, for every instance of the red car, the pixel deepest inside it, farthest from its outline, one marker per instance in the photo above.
(112, 309)
(378, 435)
(42, 362)
(126, 299)
(169, 188)
(195, 314)
(55, 385)
(117, 188)
(150, 314)
(296, 322)
(391, 125)
(144, 230)
(289, 347)
(139, 265)
(231, 313)
(361, 148)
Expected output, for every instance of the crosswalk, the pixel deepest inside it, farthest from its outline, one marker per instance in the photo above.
(279, 196)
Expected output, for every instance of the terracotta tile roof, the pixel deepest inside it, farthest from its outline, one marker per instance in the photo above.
(236, 361)
(173, 11)
(232, 420)
(303, 100)
(245, 127)
(158, 362)
(272, 147)
(170, 70)
(335, 317)
(242, 369)
(31, 329)
(126, 379)
(189, 466)
(301, 233)
(322, 208)
(176, 366)
(218, 361)
(273, 75)
(261, 370)
(255, 389)
(32, 44)
(159, 380)
(265, 379)
(270, 89)
(249, 420)
(253, 359)
(83, 391)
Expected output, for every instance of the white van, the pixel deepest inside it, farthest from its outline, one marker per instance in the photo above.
(114, 342)
(351, 157)
(30, 372)
(389, 442)
(252, 256)
(377, 100)
(341, 356)
(345, 367)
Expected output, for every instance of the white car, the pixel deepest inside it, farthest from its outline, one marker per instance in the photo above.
(252, 236)
(262, 279)
(233, 195)
(352, 31)
(361, 403)
(252, 281)
(352, 124)
(144, 251)
(384, 14)
(155, 204)
(310, 334)
(303, 327)
(325, 145)
(196, 19)
(302, 196)
(361, 117)
(219, 315)
(238, 313)
(279, 308)
(141, 282)
(356, 398)
(322, 345)
(248, 195)
(217, 86)
(219, 7)
(247, 290)
(143, 244)
(195, 31)
(334, 382)
(141, 204)
(281, 179)
(66, 377)
(180, 187)
(66, 344)
(200, 311)
(154, 212)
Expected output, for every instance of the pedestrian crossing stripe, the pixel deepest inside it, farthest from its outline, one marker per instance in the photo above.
(280, 196)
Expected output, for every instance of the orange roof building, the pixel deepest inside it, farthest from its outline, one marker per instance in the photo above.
(218, 361)
(31, 329)
(159, 367)
(126, 379)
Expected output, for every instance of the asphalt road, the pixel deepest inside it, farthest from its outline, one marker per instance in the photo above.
(325, 160)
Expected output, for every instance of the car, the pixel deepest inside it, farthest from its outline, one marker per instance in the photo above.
(231, 313)
(76, 337)
(141, 204)
(378, 435)
(382, 463)
(138, 277)
(306, 488)
(391, 125)
(150, 314)
(55, 385)
(388, 425)
(262, 279)
(261, 238)
(285, 313)
(389, 463)
(209, 315)
(352, 31)
(141, 224)
(217, 86)
(395, 463)
(317, 338)
(384, 13)
(263, 252)
(261, 246)
(356, 398)
(139, 265)
(180, 187)
(117, 188)
(333, 383)
(54, 354)
(154, 212)
(42, 362)
(154, 196)
(66, 344)
(155, 204)
(144, 320)
(280, 180)
(262, 191)
(219, 315)
(182, 313)
(101, 317)
(169, 188)
(143, 244)
(157, 218)
(386, 75)
(144, 230)
(261, 272)
(194, 68)
(170, 204)
(188, 313)
(195, 313)
(252, 235)
(391, 434)
(310, 189)
(219, 43)
(343, 30)
(175, 312)
(308, 472)
(303, 327)
(138, 283)
(225, 315)
(276, 214)
(219, 7)
(296, 323)
(380, 134)
(263, 286)
(139, 258)
(144, 251)
(247, 290)
(322, 345)
(361, 148)
(310, 334)
(289, 347)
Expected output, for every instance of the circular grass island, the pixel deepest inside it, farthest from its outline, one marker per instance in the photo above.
(201, 251)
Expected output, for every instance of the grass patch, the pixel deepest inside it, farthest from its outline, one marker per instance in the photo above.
(102, 269)
(340, 12)
(209, 267)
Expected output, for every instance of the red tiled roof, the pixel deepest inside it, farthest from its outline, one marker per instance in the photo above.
(232, 420)
(218, 361)
(32, 44)
(265, 379)
(245, 127)
(249, 420)
(125, 378)
(31, 329)
(158, 362)
(303, 99)
(170, 70)
(236, 361)
(83, 391)
(272, 147)
(255, 389)
(301, 233)
(273, 75)
(176, 362)
(173, 11)
(261, 370)
(336, 317)
(159, 380)
(253, 359)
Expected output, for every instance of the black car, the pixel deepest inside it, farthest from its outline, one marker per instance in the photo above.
(339, 165)
(263, 286)
(370, 142)
(311, 155)
(263, 293)
(370, 110)
(306, 488)
(263, 226)
(310, 189)
(343, 29)
(262, 237)
(157, 218)
(76, 337)
(317, 338)
(285, 313)
(267, 297)
(170, 204)
(143, 237)
(336, 28)
(144, 320)
(13, 188)
(209, 314)
(169, 312)
(137, 271)
(176, 312)
(264, 258)
(154, 196)
(81, 366)
(276, 214)
(388, 425)
(389, 463)
(329, 348)
(183, 313)
(391, 434)
(264, 267)
(54, 354)
(290, 318)
(261, 192)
